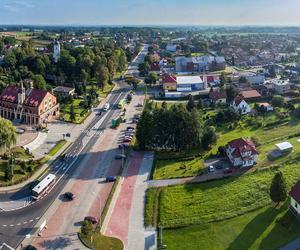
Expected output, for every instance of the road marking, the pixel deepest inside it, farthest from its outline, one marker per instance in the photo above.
(25, 222)
(37, 218)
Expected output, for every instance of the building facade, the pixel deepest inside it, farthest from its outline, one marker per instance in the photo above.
(242, 153)
(32, 106)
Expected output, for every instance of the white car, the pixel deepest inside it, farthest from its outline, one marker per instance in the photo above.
(211, 169)
(106, 107)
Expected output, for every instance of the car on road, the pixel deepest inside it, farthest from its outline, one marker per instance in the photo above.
(69, 196)
(106, 107)
(211, 169)
(227, 171)
(63, 157)
(68, 134)
(120, 156)
(91, 219)
(130, 128)
(110, 179)
(99, 113)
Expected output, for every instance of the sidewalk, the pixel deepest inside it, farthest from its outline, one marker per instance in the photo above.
(77, 130)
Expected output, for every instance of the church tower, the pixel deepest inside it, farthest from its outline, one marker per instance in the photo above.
(56, 51)
(21, 94)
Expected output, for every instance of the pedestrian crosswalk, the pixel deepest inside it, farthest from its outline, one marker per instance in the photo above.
(15, 204)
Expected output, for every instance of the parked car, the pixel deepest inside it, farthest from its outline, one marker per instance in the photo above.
(120, 156)
(92, 219)
(68, 134)
(69, 196)
(106, 107)
(227, 171)
(99, 113)
(211, 169)
(130, 128)
(110, 179)
(126, 140)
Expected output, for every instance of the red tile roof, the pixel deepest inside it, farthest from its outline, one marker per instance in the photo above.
(169, 78)
(238, 99)
(155, 66)
(210, 78)
(242, 145)
(10, 94)
(34, 97)
(295, 192)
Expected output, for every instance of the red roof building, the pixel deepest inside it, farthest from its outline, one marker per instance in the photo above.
(155, 66)
(31, 106)
(242, 152)
(295, 199)
(217, 95)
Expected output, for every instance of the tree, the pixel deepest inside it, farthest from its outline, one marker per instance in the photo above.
(200, 104)
(145, 130)
(151, 78)
(102, 76)
(8, 136)
(143, 68)
(208, 137)
(86, 227)
(190, 104)
(278, 189)
(277, 101)
(72, 113)
(39, 82)
(223, 79)
(230, 93)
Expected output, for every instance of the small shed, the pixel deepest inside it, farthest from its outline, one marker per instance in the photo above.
(284, 146)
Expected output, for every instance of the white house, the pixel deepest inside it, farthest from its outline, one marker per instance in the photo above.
(281, 86)
(295, 200)
(242, 153)
(240, 105)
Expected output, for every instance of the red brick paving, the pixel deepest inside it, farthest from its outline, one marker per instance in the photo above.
(119, 221)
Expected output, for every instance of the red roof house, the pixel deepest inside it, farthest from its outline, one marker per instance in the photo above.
(242, 152)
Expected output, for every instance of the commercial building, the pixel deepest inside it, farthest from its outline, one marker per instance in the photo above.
(183, 83)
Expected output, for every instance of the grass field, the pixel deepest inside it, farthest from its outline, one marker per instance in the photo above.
(266, 136)
(265, 228)
(57, 147)
(215, 201)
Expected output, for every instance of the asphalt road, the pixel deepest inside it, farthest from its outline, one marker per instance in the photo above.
(14, 225)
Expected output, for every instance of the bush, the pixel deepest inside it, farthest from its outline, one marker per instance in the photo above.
(29, 168)
(86, 227)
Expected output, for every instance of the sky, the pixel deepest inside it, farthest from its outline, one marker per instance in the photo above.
(151, 12)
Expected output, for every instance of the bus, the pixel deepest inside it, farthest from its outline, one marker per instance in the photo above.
(41, 188)
(122, 103)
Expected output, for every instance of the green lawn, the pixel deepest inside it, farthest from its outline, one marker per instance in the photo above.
(265, 228)
(266, 136)
(218, 200)
(80, 113)
(57, 147)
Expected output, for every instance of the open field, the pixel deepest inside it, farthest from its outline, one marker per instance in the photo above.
(265, 228)
(267, 136)
(219, 200)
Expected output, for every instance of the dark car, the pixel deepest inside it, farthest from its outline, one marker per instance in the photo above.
(130, 128)
(92, 219)
(120, 156)
(99, 113)
(68, 134)
(69, 196)
(126, 140)
(110, 179)
(227, 171)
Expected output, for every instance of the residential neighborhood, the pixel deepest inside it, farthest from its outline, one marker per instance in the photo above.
(161, 125)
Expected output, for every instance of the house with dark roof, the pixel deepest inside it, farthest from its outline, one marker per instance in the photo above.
(242, 153)
(217, 95)
(295, 200)
(32, 106)
(63, 91)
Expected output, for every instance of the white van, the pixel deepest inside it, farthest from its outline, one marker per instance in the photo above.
(106, 107)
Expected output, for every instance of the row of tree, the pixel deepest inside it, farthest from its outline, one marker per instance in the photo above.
(173, 128)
